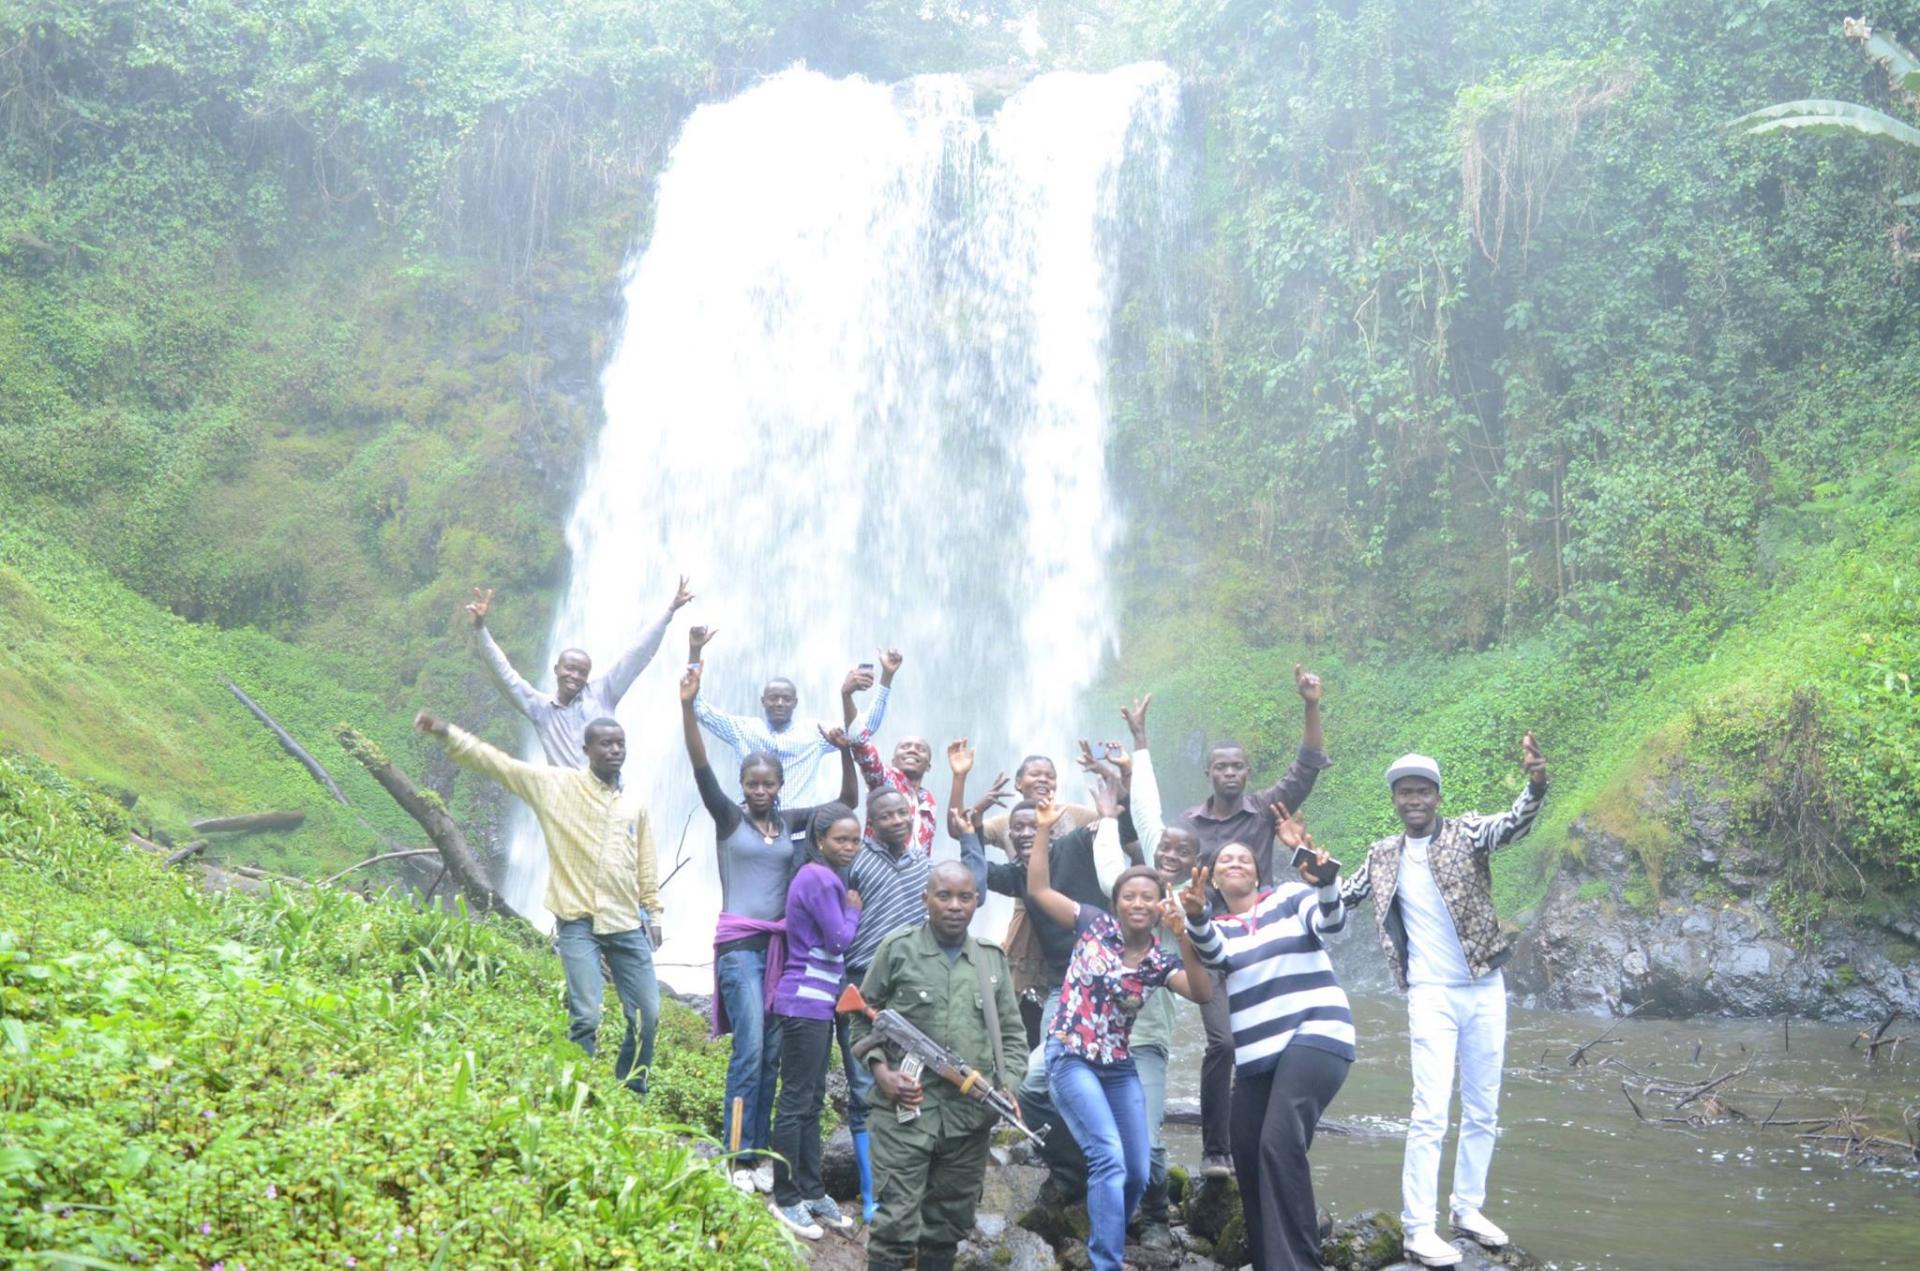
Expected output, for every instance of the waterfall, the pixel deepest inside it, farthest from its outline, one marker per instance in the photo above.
(860, 397)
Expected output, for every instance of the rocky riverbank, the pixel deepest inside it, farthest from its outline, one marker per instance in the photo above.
(1022, 1225)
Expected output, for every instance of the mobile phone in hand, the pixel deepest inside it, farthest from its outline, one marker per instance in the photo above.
(866, 668)
(1302, 856)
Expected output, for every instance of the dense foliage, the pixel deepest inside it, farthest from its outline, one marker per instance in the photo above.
(1504, 382)
(309, 1079)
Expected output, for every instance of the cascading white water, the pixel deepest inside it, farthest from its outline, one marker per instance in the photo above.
(860, 396)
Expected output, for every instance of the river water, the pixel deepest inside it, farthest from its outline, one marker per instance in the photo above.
(1581, 1183)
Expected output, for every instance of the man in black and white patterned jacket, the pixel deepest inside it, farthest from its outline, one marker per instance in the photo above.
(1432, 892)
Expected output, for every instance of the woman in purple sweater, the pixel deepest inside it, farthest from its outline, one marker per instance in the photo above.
(822, 915)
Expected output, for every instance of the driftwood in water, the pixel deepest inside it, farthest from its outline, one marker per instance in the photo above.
(287, 743)
(425, 807)
(252, 823)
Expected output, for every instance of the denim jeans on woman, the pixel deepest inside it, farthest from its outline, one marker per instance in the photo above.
(742, 977)
(1105, 1108)
(629, 956)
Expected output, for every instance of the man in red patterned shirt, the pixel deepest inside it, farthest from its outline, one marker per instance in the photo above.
(912, 757)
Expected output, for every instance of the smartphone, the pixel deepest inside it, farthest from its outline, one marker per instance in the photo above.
(1301, 856)
(866, 668)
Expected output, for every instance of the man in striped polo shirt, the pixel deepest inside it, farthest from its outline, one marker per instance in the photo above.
(891, 876)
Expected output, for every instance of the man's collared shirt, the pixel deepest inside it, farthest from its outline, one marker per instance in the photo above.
(599, 841)
(1250, 822)
(562, 729)
(878, 774)
(893, 894)
(799, 745)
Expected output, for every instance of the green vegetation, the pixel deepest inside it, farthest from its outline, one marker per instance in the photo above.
(309, 1079)
(1509, 389)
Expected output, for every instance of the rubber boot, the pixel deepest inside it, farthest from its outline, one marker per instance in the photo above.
(934, 1260)
(863, 1159)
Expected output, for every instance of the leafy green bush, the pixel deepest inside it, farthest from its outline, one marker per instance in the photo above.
(313, 1080)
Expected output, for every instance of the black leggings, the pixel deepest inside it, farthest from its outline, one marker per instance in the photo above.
(1274, 1115)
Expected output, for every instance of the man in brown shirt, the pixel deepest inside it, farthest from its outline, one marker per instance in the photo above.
(1230, 814)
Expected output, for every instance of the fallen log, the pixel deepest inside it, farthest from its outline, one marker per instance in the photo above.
(287, 743)
(424, 806)
(192, 849)
(252, 823)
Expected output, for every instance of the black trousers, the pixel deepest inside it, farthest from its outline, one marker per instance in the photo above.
(806, 1048)
(1216, 1073)
(1274, 1115)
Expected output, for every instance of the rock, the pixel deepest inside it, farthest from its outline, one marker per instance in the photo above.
(1010, 1249)
(1073, 1256)
(838, 1169)
(1230, 1248)
(1475, 1258)
(1011, 1189)
(1366, 1242)
(1214, 1202)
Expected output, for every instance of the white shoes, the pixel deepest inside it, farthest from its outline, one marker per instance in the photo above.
(763, 1176)
(1476, 1226)
(743, 1179)
(798, 1219)
(1424, 1246)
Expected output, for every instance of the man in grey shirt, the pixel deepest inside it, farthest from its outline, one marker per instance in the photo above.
(561, 718)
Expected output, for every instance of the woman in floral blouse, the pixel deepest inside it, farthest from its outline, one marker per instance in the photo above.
(1117, 960)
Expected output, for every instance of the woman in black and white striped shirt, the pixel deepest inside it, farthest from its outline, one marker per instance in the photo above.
(1292, 1033)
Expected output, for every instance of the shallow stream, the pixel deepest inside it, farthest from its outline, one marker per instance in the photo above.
(1582, 1183)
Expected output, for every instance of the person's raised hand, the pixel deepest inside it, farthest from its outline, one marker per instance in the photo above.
(1193, 897)
(995, 796)
(1533, 762)
(959, 823)
(1106, 795)
(1308, 683)
(835, 736)
(681, 596)
(1289, 827)
(960, 757)
(698, 638)
(1092, 762)
(1321, 870)
(689, 684)
(1137, 720)
(1120, 758)
(856, 681)
(1048, 812)
(478, 606)
(428, 722)
(890, 660)
(1171, 910)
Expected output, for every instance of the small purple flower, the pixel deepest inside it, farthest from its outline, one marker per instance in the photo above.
(218, 1266)
(208, 1114)
(352, 1261)
(206, 1229)
(273, 1192)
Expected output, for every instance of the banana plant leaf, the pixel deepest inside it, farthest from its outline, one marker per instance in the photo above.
(1829, 118)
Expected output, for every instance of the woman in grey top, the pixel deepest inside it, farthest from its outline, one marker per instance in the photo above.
(758, 846)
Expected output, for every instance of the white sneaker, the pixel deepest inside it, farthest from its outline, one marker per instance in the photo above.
(743, 1179)
(797, 1219)
(1424, 1246)
(1476, 1226)
(827, 1214)
(763, 1176)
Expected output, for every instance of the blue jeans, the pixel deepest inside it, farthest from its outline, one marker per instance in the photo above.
(1104, 1107)
(1151, 1063)
(859, 1076)
(742, 976)
(629, 956)
(1036, 1079)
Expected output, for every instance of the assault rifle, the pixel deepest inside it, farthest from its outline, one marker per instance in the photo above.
(890, 1027)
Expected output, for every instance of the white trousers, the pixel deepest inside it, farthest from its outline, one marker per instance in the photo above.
(1445, 1023)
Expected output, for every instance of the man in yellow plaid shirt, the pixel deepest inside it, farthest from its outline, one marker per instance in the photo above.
(602, 889)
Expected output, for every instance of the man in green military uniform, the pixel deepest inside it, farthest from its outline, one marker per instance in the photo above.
(957, 990)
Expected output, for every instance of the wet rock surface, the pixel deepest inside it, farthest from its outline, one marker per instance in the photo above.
(1706, 943)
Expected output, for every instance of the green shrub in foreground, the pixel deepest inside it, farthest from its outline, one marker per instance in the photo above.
(313, 1080)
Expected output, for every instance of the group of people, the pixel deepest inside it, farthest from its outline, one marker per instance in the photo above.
(1120, 912)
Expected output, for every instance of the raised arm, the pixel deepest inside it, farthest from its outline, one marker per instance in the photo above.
(628, 666)
(723, 810)
(1191, 981)
(1490, 833)
(849, 779)
(868, 723)
(520, 695)
(1109, 857)
(1293, 788)
(1061, 908)
(523, 779)
(1143, 795)
(1201, 934)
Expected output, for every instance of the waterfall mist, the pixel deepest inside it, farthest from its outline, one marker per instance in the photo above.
(859, 395)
